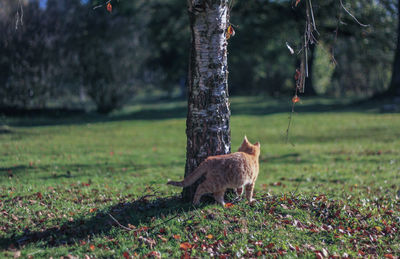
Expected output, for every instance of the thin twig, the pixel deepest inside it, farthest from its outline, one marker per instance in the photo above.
(297, 187)
(165, 221)
(312, 16)
(119, 224)
(290, 121)
(306, 59)
(19, 16)
(98, 6)
(348, 12)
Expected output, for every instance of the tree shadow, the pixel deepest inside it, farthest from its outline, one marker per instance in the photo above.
(140, 211)
(4, 130)
(260, 106)
(59, 171)
(157, 110)
(53, 119)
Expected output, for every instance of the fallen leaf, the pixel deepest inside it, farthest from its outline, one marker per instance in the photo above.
(92, 247)
(258, 243)
(325, 252)
(131, 226)
(92, 210)
(177, 237)
(209, 236)
(125, 255)
(318, 255)
(149, 241)
(185, 246)
(228, 205)
(156, 254)
(162, 238)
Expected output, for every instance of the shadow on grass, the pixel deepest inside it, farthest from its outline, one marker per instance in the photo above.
(58, 171)
(5, 131)
(164, 109)
(68, 170)
(140, 211)
(83, 117)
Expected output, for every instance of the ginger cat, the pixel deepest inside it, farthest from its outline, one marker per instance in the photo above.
(235, 171)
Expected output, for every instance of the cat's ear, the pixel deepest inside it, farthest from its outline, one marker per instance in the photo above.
(257, 144)
(245, 139)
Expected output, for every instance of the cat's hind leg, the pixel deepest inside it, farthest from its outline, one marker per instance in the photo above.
(219, 197)
(201, 190)
(238, 192)
(249, 192)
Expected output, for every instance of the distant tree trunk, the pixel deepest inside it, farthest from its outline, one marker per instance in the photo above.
(394, 88)
(309, 89)
(207, 125)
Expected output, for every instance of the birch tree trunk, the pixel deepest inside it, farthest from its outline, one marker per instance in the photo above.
(207, 124)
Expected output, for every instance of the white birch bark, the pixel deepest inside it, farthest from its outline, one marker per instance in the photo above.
(208, 130)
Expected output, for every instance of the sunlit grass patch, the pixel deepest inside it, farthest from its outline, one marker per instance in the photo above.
(334, 191)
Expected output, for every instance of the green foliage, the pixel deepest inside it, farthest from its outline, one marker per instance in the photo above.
(364, 54)
(68, 50)
(110, 64)
(323, 69)
(258, 58)
(28, 71)
(333, 192)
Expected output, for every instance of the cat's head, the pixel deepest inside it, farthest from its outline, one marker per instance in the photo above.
(249, 148)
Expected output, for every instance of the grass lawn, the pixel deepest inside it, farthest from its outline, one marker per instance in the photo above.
(332, 192)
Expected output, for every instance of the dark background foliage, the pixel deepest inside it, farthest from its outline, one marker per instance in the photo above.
(66, 53)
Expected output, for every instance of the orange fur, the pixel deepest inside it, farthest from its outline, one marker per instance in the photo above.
(236, 171)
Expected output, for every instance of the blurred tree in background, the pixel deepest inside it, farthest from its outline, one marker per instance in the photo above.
(27, 54)
(112, 50)
(66, 52)
(394, 88)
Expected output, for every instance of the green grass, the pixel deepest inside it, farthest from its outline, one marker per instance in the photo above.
(332, 192)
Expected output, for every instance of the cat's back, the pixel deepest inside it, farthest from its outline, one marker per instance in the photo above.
(232, 158)
(230, 170)
(230, 163)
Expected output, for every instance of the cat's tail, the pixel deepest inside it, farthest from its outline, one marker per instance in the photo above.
(190, 179)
